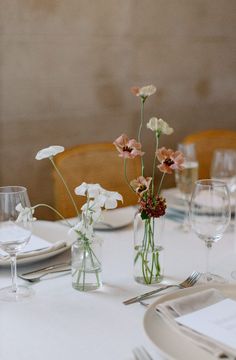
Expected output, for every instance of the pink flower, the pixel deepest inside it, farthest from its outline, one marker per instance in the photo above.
(128, 149)
(170, 160)
(141, 184)
(143, 91)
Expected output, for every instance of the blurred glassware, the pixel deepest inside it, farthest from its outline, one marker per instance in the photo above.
(223, 167)
(186, 178)
(15, 233)
(210, 212)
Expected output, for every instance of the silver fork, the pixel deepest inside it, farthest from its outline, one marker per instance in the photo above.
(140, 353)
(190, 281)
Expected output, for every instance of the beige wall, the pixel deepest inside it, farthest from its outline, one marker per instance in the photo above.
(66, 67)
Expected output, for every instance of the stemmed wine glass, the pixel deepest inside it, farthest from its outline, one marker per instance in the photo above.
(186, 178)
(15, 233)
(223, 167)
(210, 216)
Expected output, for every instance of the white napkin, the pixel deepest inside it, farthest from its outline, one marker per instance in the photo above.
(172, 309)
(36, 246)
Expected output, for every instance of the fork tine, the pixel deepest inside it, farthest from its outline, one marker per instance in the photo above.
(191, 280)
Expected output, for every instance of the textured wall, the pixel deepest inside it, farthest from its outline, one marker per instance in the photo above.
(66, 68)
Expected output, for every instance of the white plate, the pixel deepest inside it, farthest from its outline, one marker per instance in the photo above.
(50, 231)
(116, 219)
(171, 343)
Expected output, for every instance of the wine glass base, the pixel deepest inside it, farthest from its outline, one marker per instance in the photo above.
(210, 278)
(22, 293)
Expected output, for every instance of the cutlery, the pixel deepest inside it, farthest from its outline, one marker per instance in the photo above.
(140, 353)
(36, 275)
(190, 281)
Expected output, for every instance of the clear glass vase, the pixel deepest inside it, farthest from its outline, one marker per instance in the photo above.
(86, 264)
(148, 250)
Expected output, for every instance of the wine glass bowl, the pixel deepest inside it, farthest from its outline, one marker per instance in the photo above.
(15, 233)
(210, 213)
(223, 167)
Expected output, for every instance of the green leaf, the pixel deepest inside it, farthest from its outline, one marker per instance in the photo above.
(144, 216)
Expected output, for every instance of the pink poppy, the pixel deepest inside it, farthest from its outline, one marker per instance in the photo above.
(128, 149)
(141, 184)
(170, 160)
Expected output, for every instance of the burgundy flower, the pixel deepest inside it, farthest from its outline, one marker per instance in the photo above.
(152, 207)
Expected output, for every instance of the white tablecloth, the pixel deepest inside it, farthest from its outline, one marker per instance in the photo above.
(62, 323)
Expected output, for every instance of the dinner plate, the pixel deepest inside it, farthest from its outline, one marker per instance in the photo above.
(52, 232)
(116, 219)
(171, 343)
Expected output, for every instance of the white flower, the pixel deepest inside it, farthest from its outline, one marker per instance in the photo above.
(49, 152)
(147, 90)
(159, 126)
(90, 190)
(92, 210)
(86, 231)
(25, 214)
(108, 199)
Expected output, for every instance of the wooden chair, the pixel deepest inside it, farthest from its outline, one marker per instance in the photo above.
(206, 142)
(92, 163)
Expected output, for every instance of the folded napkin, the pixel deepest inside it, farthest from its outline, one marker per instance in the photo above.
(36, 246)
(172, 309)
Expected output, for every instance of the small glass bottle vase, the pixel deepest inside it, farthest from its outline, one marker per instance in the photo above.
(148, 250)
(86, 264)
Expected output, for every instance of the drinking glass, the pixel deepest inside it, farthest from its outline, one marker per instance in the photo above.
(210, 216)
(186, 178)
(15, 233)
(223, 167)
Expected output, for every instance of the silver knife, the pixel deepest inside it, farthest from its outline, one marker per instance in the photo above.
(38, 273)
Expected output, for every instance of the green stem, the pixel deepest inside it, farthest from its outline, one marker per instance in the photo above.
(159, 189)
(154, 165)
(140, 129)
(67, 189)
(125, 174)
(53, 209)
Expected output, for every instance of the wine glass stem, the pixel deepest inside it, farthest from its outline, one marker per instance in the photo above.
(13, 273)
(186, 212)
(208, 273)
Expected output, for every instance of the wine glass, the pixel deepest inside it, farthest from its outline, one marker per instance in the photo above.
(186, 178)
(210, 216)
(223, 167)
(15, 233)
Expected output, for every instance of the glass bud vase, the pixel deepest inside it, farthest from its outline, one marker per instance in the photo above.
(148, 250)
(86, 264)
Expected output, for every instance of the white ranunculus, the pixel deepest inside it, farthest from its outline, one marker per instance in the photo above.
(90, 190)
(147, 90)
(49, 152)
(25, 213)
(108, 199)
(159, 125)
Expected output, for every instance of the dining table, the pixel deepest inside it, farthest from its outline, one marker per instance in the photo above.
(59, 322)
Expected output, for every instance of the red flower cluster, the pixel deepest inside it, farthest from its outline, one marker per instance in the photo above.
(152, 206)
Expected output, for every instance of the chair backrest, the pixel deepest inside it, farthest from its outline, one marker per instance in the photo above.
(92, 163)
(206, 142)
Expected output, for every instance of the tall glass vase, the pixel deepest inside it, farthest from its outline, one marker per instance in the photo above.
(86, 264)
(148, 250)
